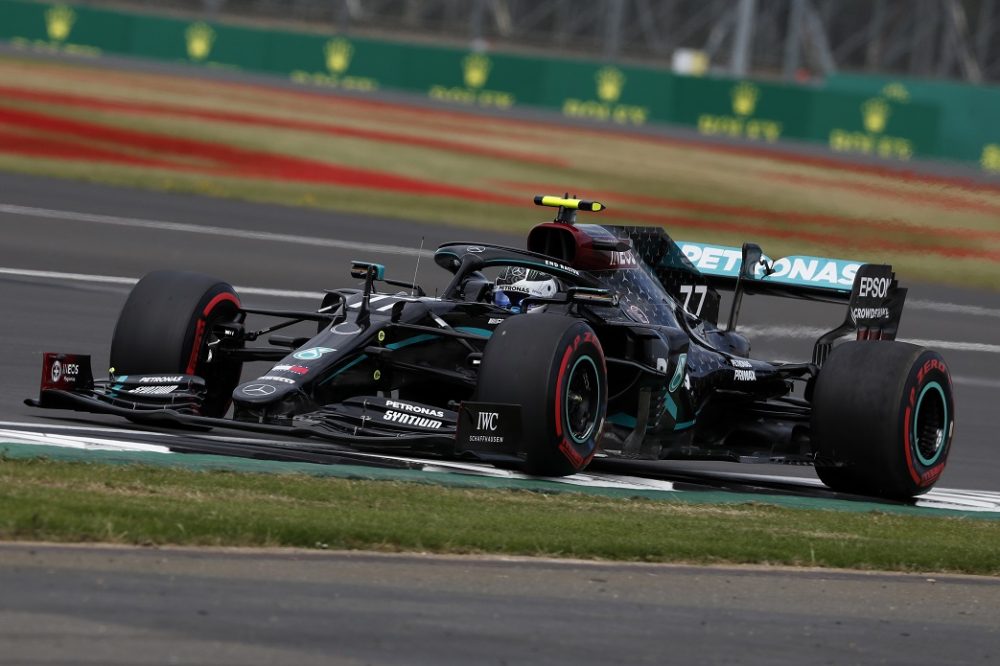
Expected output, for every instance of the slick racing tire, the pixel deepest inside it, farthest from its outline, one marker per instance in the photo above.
(553, 367)
(883, 419)
(165, 327)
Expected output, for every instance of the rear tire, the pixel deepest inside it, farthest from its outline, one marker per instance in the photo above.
(553, 367)
(883, 419)
(164, 328)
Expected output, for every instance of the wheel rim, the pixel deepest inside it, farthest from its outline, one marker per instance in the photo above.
(583, 398)
(930, 424)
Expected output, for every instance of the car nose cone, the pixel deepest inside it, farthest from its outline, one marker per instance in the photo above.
(261, 392)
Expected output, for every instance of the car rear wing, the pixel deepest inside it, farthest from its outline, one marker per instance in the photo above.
(873, 296)
(795, 276)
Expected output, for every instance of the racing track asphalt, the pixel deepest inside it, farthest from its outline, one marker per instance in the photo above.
(57, 314)
(116, 605)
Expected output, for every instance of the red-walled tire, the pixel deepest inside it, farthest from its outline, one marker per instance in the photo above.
(883, 419)
(553, 367)
(164, 328)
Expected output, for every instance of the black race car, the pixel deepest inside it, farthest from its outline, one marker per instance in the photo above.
(594, 341)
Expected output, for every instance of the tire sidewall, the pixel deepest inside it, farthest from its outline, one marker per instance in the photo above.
(218, 305)
(865, 405)
(578, 349)
(928, 379)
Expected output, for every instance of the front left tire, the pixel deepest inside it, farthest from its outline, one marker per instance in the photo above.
(165, 327)
(553, 367)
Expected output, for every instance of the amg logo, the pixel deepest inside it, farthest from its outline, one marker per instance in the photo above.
(870, 313)
(744, 375)
(877, 287)
(488, 421)
(274, 378)
(154, 390)
(416, 409)
(410, 419)
(160, 380)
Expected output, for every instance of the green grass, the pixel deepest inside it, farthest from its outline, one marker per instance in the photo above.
(72, 501)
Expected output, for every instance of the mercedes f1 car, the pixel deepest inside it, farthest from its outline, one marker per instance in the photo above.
(596, 340)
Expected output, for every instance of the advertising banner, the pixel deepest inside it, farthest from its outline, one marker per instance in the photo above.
(856, 114)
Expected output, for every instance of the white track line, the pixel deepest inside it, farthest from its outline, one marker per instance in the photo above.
(765, 331)
(147, 433)
(71, 428)
(244, 234)
(955, 346)
(77, 442)
(110, 279)
(811, 333)
(70, 277)
(951, 308)
(939, 498)
(762, 331)
(977, 382)
(74, 216)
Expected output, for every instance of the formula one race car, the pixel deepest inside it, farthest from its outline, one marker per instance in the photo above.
(594, 341)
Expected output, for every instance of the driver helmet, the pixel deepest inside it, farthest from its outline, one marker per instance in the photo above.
(516, 282)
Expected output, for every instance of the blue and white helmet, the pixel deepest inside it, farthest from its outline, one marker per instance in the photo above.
(517, 283)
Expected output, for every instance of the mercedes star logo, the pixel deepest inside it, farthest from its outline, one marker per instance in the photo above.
(258, 389)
